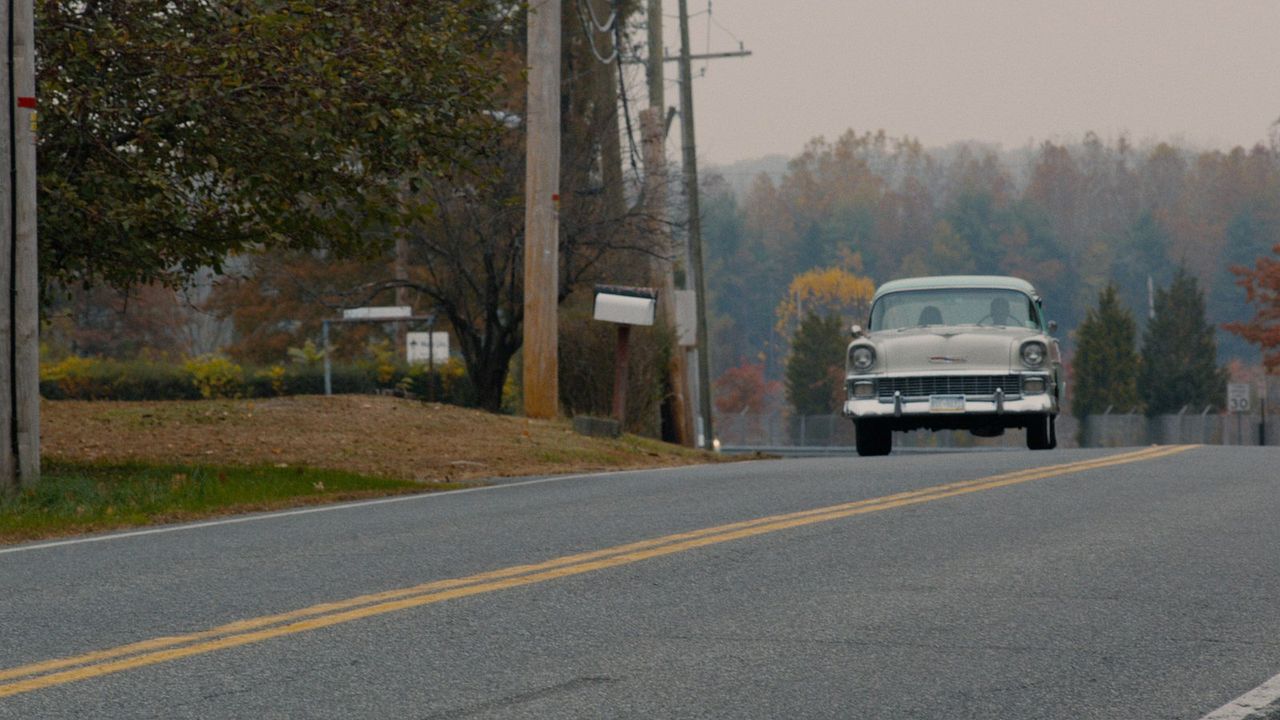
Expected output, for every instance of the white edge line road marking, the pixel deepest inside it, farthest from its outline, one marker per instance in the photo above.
(330, 508)
(325, 508)
(1264, 697)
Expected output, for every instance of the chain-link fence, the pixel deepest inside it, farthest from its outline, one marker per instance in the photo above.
(1260, 426)
(1121, 430)
(834, 431)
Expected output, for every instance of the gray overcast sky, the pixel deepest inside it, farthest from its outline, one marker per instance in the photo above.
(1005, 71)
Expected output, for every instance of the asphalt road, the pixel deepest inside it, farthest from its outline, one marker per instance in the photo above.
(938, 585)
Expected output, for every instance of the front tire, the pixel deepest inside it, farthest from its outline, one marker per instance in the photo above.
(873, 438)
(1042, 433)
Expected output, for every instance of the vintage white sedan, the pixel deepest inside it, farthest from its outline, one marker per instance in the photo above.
(959, 352)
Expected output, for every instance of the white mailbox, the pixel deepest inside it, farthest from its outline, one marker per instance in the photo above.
(626, 305)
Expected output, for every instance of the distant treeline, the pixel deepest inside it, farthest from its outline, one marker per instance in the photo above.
(1070, 219)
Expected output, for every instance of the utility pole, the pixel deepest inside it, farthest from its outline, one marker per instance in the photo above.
(653, 141)
(542, 212)
(656, 188)
(8, 399)
(19, 309)
(690, 163)
(652, 131)
(653, 65)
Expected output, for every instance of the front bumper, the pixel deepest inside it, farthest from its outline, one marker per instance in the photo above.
(988, 403)
(873, 407)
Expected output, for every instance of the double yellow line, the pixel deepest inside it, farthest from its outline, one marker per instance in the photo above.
(49, 673)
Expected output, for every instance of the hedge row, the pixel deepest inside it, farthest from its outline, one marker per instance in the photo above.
(77, 378)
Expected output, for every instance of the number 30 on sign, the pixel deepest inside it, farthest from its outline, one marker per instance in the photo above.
(1238, 397)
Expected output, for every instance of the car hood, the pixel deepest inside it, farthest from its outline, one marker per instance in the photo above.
(949, 348)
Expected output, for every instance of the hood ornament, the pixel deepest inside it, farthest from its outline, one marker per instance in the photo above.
(947, 360)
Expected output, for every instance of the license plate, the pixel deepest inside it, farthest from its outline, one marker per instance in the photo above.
(946, 403)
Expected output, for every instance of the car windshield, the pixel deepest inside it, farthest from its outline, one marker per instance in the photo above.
(954, 306)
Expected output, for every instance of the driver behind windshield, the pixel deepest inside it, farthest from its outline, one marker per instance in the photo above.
(1000, 312)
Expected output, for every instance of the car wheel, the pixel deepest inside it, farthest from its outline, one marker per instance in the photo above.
(873, 438)
(1041, 434)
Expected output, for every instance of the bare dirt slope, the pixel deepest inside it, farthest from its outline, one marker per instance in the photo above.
(372, 435)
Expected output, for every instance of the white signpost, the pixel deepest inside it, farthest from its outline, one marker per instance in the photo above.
(378, 312)
(431, 348)
(1238, 397)
(1238, 403)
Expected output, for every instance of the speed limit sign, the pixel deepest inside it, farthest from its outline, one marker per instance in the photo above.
(1238, 397)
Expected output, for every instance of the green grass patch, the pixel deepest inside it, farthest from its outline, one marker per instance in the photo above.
(76, 497)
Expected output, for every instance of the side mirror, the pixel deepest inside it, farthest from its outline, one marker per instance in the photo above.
(1053, 326)
(855, 331)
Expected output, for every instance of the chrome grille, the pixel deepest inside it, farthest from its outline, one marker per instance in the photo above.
(972, 385)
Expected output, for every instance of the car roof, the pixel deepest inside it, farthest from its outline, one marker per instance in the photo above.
(1001, 282)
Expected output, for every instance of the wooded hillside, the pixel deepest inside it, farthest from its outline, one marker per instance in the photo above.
(1069, 218)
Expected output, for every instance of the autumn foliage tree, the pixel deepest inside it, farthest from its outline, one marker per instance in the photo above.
(744, 389)
(278, 300)
(1070, 218)
(828, 292)
(1262, 288)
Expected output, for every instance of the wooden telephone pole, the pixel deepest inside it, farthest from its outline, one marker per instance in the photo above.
(690, 166)
(542, 212)
(690, 163)
(653, 141)
(19, 293)
(653, 126)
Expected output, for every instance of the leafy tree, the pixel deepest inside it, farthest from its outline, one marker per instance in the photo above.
(947, 254)
(278, 300)
(1179, 357)
(150, 321)
(744, 389)
(1142, 252)
(1249, 234)
(465, 244)
(1105, 367)
(1261, 284)
(827, 292)
(815, 369)
(175, 132)
(977, 218)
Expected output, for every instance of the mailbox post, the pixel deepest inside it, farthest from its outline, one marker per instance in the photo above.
(625, 306)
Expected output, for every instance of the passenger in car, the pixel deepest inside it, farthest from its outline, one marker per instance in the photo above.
(930, 315)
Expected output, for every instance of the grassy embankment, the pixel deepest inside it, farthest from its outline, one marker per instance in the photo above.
(113, 465)
(77, 497)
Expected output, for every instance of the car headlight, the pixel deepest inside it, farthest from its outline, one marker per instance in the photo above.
(1033, 354)
(862, 357)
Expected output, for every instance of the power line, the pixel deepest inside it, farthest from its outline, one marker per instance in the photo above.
(590, 33)
(618, 39)
(707, 49)
(724, 29)
(608, 24)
